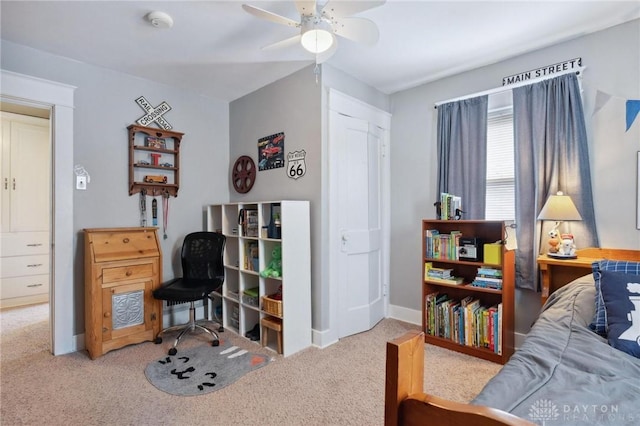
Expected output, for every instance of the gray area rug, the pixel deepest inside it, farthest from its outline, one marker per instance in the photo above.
(202, 369)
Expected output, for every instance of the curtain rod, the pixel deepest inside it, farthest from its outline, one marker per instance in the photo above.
(509, 87)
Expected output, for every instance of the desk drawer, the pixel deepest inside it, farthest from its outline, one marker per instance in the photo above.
(18, 266)
(24, 286)
(122, 273)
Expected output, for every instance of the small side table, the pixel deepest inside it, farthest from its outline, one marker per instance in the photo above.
(556, 273)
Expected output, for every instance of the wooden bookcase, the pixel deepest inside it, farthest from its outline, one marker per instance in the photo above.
(485, 232)
(141, 167)
(248, 251)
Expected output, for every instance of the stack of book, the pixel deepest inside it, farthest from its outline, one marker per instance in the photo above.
(488, 277)
(465, 321)
(249, 222)
(450, 206)
(440, 275)
(442, 246)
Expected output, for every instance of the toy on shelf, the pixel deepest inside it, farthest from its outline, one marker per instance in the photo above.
(554, 241)
(274, 268)
(567, 246)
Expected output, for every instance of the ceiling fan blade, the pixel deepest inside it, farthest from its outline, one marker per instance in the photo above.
(322, 57)
(283, 43)
(270, 16)
(338, 9)
(306, 7)
(361, 30)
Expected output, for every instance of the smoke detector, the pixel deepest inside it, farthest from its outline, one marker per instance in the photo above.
(160, 19)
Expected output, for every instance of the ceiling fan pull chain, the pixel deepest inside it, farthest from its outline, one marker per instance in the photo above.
(316, 71)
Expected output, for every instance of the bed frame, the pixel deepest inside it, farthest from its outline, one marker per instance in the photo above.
(407, 404)
(405, 400)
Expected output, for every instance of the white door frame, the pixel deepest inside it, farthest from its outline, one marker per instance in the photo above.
(31, 91)
(353, 107)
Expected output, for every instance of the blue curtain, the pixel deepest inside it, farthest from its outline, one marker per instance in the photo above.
(551, 154)
(462, 153)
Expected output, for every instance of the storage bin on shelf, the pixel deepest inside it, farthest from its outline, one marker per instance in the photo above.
(250, 297)
(272, 306)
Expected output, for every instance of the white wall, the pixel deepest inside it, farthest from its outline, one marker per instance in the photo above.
(104, 107)
(612, 58)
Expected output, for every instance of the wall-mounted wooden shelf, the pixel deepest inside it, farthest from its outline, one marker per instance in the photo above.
(141, 164)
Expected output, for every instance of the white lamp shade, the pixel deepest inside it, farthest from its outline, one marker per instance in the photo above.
(316, 34)
(559, 207)
(317, 41)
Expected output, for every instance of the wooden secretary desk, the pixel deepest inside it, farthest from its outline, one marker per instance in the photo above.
(122, 267)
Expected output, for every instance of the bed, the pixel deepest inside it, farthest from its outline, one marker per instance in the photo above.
(564, 373)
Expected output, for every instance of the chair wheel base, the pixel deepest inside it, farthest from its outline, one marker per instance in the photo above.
(158, 340)
(173, 351)
(215, 343)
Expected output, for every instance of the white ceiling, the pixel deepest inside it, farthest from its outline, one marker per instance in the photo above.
(214, 46)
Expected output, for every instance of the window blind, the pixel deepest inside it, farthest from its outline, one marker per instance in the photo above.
(500, 196)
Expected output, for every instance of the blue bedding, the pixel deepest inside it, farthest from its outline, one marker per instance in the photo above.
(564, 373)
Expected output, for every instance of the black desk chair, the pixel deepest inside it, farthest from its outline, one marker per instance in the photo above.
(202, 273)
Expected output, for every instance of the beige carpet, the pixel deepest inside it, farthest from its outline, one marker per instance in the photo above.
(340, 385)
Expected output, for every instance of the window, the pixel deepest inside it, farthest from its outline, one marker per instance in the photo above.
(500, 198)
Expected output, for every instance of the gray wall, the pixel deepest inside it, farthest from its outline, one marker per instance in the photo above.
(294, 105)
(216, 133)
(612, 58)
(104, 107)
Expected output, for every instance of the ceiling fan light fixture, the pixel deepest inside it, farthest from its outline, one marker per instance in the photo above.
(317, 36)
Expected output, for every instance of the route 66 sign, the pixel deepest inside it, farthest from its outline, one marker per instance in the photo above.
(296, 167)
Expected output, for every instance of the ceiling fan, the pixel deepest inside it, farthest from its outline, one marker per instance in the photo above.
(319, 25)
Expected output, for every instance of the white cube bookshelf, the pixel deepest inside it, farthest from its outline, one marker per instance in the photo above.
(242, 314)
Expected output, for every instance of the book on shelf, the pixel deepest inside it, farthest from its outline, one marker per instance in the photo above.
(431, 271)
(466, 321)
(438, 272)
(487, 271)
(499, 328)
(488, 277)
(451, 280)
(442, 246)
(492, 327)
(493, 283)
(450, 206)
(248, 219)
(429, 235)
(251, 256)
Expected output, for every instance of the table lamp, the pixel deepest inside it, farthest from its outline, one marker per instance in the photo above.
(560, 208)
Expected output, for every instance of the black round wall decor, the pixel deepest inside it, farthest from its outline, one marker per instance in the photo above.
(244, 174)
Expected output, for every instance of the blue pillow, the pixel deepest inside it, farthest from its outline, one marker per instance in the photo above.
(599, 323)
(621, 294)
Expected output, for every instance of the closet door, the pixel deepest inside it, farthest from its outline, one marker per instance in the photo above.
(29, 186)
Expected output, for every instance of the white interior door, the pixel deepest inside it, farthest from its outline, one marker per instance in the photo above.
(358, 216)
(359, 222)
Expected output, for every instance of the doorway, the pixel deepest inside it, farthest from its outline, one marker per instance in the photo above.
(26, 206)
(359, 236)
(27, 91)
